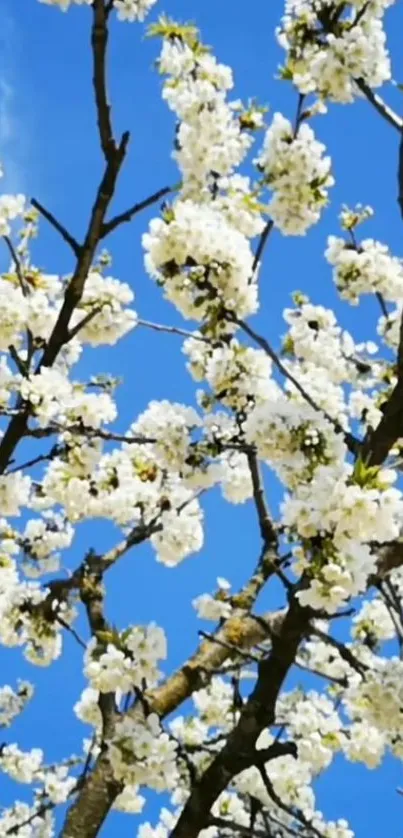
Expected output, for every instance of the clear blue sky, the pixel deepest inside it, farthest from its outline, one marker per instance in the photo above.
(49, 147)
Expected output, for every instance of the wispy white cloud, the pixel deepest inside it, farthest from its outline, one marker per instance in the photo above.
(10, 120)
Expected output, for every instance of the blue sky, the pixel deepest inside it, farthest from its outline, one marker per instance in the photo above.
(48, 146)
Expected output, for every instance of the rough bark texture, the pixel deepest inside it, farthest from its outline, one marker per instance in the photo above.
(96, 798)
(259, 712)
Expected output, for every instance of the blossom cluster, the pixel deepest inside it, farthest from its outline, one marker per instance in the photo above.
(337, 519)
(142, 754)
(367, 268)
(102, 311)
(328, 53)
(12, 702)
(298, 174)
(129, 661)
(199, 250)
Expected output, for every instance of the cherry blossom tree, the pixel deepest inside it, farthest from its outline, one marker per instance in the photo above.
(317, 412)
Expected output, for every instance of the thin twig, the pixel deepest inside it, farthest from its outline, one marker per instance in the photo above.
(40, 459)
(99, 43)
(68, 238)
(17, 264)
(341, 682)
(173, 330)
(127, 216)
(234, 650)
(351, 442)
(25, 291)
(342, 649)
(72, 631)
(261, 246)
(382, 305)
(296, 814)
(298, 116)
(383, 109)
(84, 322)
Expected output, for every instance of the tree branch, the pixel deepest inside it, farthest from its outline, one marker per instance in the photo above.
(261, 245)
(379, 442)
(295, 813)
(127, 216)
(60, 228)
(99, 43)
(258, 713)
(342, 649)
(383, 109)
(114, 156)
(267, 529)
(172, 330)
(351, 442)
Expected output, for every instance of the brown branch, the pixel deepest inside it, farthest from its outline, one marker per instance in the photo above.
(41, 810)
(127, 216)
(267, 529)
(92, 596)
(258, 713)
(100, 789)
(90, 433)
(99, 43)
(14, 432)
(115, 155)
(230, 647)
(285, 628)
(60, 334)
(390, 558)
(71, 631)
(60, 228)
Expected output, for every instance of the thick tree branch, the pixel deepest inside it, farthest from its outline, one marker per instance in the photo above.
(193, 675)
(258, 713)
(99, 43)
(92, 596)
(286, 628)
